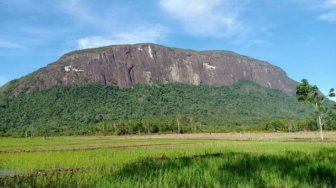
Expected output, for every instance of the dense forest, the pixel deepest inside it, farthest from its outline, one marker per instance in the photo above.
(159, 108)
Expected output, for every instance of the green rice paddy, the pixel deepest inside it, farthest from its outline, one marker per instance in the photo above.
(128, 162)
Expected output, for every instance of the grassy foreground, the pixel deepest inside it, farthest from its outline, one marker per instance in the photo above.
(134, 162)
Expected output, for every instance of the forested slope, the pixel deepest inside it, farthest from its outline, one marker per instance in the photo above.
(156, 108)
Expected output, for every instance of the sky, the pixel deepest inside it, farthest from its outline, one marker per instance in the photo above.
(297, 35)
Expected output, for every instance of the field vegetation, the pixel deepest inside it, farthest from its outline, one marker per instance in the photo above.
(179, 162)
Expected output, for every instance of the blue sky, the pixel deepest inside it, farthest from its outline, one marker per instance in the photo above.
(296, 35)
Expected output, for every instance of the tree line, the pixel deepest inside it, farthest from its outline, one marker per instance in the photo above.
(159, 108)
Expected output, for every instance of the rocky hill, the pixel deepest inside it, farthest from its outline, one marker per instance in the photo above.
(125, 89)
(128, 65)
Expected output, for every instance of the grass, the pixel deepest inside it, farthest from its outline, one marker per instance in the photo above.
(124, 162)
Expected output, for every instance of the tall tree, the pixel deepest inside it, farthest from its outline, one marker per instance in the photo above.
(178, 117)
(310, 94)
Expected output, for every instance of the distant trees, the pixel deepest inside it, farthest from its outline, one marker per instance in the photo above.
(103, 118)
(310, 94)
(163, 108)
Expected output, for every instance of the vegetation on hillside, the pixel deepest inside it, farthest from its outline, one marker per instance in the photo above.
(311, 94)
(150, 109)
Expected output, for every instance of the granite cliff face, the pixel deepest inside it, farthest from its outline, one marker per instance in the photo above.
(126, 65)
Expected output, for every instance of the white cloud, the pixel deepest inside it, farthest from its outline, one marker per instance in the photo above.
(92, 42)
(8, 44)
(330, 3)
(109, 29)
(330, 7)
(257, 42)
(330, 17)
(79, 10)
(215, 18)
(326, 9)
(89, 14)
(140, 35)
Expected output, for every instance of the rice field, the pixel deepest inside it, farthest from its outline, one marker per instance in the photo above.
(167, 161)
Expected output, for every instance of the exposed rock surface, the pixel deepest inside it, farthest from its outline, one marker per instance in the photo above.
(126, 65)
